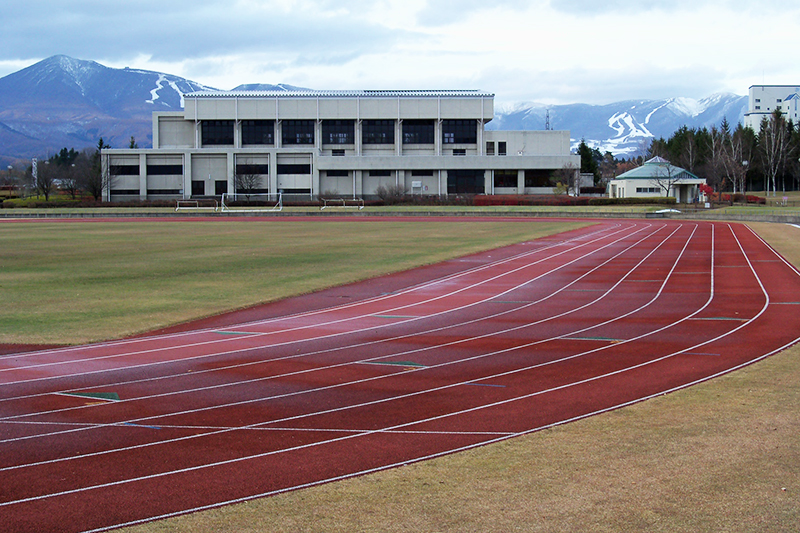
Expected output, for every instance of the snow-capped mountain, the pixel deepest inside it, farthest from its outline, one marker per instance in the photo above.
(621, 127)
(66, 102)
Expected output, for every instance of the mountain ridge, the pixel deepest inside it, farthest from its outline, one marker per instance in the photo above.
(66, 102)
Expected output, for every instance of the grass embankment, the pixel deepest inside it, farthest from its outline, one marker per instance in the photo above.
(715, 457)
(83, 281)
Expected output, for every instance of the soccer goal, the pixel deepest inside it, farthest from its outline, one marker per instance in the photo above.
(249, 203)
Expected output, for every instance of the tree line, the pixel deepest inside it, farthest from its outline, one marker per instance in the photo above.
(730, 159)
(74, 173)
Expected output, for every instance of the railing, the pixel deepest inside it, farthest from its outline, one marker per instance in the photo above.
(353, 203)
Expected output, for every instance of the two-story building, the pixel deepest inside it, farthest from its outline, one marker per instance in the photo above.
(346, 143)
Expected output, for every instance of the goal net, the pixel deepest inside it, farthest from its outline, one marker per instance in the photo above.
(243, 202)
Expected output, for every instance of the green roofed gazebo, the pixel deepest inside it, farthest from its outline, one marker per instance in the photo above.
(657, 177)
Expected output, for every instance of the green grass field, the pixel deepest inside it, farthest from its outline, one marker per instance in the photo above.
(720, 456)
(75, 282)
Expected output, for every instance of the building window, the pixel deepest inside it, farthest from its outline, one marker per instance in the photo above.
(459, 131)
(377, 131)
(459, 151)
(505, 178)
(648, 190)
(758, 107)
(294, 168)
(501, 148)
(420, 173)
(336, 173)
(198, 188)
(338, 132)
(758, 99)
(164, 170)
(258, 132)
(220, 187)
(418, 132)
(465, 182)
(489, 147)
(297, 131)
(217, 132)
(124, 170)
(251, 169)
(537, 178)
(380, 173)
(337, 152)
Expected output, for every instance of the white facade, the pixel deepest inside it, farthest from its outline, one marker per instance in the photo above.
(346, 143)
(657, 177)
(765, 99)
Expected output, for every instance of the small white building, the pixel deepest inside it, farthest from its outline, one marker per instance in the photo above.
(657, 177)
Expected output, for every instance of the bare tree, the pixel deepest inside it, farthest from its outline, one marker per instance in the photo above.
(96, 178)
(46, 177)
(666, 176)
(568, 177)
(247, 183)
(772, 140)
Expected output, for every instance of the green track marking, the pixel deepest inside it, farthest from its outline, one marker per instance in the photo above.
(786, 303)
(722, 318)
(238, 332)
(110, 396)
(397, 363)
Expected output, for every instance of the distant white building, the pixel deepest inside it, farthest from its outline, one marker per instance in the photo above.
(765, 99)
(345, 142)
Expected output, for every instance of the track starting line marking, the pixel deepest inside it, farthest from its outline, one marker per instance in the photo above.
(722, 318)
(396, 363)
(606, 339)
(700, 353)
(106, 396)
(237, 333)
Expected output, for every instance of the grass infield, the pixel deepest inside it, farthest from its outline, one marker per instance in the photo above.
(720, 456)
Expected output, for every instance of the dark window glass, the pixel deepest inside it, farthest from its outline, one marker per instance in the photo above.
(377, 131)
(489, 147)
(297, 132)
(220, 187)
(465, 182)
(505, 178)
(164, 170)
(382, 173)
(459, 131)
(422, 172)
(459, 151)
(156, 192)
(338, 132)
(337, 152)
(251, 169)
(501, 148)
(126, 192)
(537, 178)
(216, 132)
(418, 132)
(198, 188)
(258, 132)
(124, 170)
(296, 168)
(337, 173)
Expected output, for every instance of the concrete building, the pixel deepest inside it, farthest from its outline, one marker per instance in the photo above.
(765, 99)
(657, 177)
(347, 143)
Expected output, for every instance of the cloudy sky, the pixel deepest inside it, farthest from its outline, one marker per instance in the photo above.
(547, 51)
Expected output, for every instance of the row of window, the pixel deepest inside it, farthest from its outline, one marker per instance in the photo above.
(648, 190)
(300, 132)
(152, 170)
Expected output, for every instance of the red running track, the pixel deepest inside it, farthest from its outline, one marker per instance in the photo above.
(508, 342)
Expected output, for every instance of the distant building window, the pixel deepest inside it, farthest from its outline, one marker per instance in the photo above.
(417, 173)
(124, 170)
(258, 132)
(505, 178)
(778, 100)
(758, 107)
(758, 99)
(377, 131)
(338, 132)
(501, 148)
(217, 132)
(648, 190)
(459, 151)
(164, 170)
(489, 147)
(296, 168)
(459, 131)
(251, 169)
(336, 173)
(380, 173)
(297, 132)
(418, 132)
(537, 178)
(337, 152)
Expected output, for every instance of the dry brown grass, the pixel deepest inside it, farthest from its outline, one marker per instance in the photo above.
(715, 457)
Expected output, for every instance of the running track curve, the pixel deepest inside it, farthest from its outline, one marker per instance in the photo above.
(506, 343)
